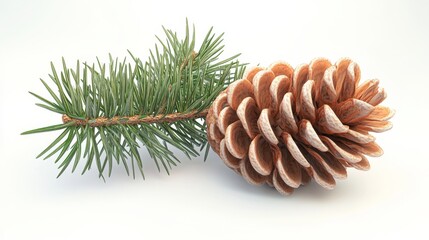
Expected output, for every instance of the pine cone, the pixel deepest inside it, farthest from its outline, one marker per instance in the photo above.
(285, 126)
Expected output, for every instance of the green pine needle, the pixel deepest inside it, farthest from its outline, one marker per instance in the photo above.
(176, 79)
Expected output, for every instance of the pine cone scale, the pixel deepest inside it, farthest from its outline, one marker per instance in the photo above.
(280, 185)
(317, 69)
(317, 171)
(265, 128)
(226, 117)
(219, 104)
(289, 170)
(262, 155)
(328, 94)
(328, 121)
(358, 137)
(248, 114)
(250, 174)
(228, 158)
(294, 150)
(310, 136)
(261, 84)
(307, 109)
(236, 140)
(334, 167)
(279, 87)
(353, 111)
(282, 68)
(287, 117)
(341, 151)
(238, 91)
(381, 113)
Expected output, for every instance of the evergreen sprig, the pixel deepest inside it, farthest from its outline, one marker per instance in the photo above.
(109, 111)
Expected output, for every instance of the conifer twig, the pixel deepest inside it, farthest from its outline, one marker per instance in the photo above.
(110, 110)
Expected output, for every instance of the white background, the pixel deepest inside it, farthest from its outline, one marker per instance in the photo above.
(205, 200)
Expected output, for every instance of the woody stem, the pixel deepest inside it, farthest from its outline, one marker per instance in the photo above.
(134, 120)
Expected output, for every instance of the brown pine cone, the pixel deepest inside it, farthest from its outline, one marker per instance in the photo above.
(285, 126)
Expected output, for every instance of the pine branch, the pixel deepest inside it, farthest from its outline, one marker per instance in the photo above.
(110, 111)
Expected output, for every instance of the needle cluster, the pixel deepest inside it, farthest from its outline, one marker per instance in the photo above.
(110, 110)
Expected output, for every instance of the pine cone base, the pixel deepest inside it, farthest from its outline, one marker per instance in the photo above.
(285, 126)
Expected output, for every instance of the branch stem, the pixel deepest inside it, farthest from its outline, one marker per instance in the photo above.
(135, 120)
